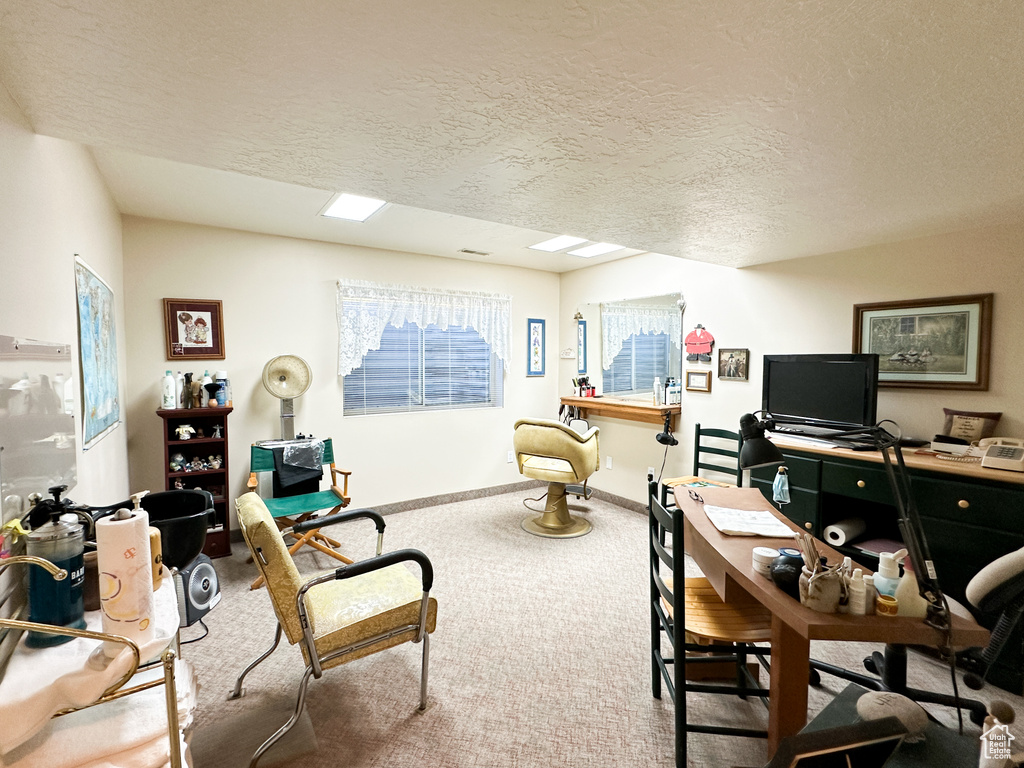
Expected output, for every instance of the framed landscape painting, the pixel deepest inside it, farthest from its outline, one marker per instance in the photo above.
(940, 343)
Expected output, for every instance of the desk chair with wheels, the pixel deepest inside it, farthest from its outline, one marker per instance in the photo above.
(340, 615)
(289, 506)
(717, 450)
(700, 623)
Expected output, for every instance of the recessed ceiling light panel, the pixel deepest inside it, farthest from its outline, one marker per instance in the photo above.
(558, 243)
(353, 207)
(597, 249)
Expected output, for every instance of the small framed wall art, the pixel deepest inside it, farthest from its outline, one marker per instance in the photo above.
(581, 346)
(536, 347)
(194, 329)
(698, 381)
(732, 364)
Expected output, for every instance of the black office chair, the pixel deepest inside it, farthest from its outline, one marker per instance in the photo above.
(732, 630)
(709, 444)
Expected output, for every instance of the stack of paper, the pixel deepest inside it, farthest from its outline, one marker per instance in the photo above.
(743, 522)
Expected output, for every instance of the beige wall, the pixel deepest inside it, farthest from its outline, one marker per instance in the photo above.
(54, 204)
(806, 305)
(279, 298)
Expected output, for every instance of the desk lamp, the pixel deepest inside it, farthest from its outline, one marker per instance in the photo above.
(759, 451)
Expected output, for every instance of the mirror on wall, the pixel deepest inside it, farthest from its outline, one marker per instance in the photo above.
(631, 342)
(37, 421)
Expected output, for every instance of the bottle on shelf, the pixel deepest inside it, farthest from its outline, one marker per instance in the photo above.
(179, 386)
(870, 595)
(908, 595)
(167, 396)
(888, 577)
(658, 391)
(857, 593)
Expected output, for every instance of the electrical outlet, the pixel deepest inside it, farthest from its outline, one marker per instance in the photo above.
(650, 471)
(607, 462)
(511, 456)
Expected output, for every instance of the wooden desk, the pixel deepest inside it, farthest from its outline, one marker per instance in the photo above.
(970, 516)
(726, 562)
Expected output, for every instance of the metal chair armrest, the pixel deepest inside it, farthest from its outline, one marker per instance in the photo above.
(390, 558)
(341, 517)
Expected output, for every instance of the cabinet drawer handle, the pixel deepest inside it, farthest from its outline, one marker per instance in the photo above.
(809, 526)
(963, 503)
(861, 484)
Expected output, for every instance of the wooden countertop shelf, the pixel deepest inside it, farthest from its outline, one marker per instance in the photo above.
(631, 410)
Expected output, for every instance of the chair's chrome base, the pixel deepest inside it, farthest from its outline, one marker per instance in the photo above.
(556, 522)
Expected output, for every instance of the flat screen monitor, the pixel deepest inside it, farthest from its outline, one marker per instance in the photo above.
(828, 391)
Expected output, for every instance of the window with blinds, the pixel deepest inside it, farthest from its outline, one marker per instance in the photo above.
(643, 357)
(419, 369)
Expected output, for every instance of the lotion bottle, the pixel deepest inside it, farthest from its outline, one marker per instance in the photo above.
(870, 595)
(857, 593)
(888, 577)
(908, 595)
(658, 391)
(167, 400)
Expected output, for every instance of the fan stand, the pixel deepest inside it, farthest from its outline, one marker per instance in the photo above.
(287, 418)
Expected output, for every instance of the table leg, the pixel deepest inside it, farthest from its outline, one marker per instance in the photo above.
(787, 700)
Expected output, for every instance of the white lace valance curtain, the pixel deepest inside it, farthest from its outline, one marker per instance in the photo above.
(620, 321)
(365, 309)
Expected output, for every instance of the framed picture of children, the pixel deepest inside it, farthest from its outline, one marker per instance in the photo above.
(194, 329)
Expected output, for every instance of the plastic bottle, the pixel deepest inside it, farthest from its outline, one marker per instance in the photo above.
(856, 591)
(658, 391)
(179, 386)
(888, 577)
(870, 595)
(167, 399)
(221, 377)
(908, 593)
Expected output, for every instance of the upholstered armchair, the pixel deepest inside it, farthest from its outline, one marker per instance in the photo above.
(549, 450)
(340, 615)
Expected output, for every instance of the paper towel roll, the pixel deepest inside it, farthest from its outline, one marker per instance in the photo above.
(844, 531)
(126, 578)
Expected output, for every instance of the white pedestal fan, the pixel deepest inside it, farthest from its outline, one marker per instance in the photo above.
(287, 377)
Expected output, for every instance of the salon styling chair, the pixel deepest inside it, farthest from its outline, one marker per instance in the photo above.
(551, 451)
(339, 615)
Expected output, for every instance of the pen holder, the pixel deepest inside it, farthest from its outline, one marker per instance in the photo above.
(820, 590)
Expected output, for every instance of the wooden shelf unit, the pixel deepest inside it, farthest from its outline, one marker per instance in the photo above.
(218, 537)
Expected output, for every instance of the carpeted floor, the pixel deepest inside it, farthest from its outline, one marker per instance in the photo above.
(540, 658)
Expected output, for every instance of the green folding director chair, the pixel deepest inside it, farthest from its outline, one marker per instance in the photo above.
(289, 509)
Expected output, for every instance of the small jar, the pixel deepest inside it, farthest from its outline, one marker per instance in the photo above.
(820, 590)
(762, 558)
(785, 571)
(886, 605)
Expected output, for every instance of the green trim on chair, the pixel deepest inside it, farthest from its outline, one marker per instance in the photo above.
(293, 506)
(262, 459)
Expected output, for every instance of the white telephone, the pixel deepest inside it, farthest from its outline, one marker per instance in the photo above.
(1002, 453)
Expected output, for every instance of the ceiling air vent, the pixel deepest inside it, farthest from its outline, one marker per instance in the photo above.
(471, 252)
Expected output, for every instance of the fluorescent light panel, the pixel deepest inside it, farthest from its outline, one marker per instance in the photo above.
(353, 207)
(597, 249)
(558, 243)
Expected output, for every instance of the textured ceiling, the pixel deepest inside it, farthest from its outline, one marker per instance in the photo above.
(725, 131)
